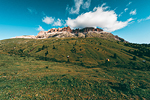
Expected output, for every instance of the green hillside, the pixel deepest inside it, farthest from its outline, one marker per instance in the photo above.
(40, 69)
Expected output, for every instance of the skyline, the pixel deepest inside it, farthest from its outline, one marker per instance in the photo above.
(129, 19)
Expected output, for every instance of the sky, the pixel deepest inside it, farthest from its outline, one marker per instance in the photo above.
(129, 19)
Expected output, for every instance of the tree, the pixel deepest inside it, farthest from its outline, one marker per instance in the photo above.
(75, 43)
(115, 55)
(54, 47)
(134, 57)
(46, 53)
(43, 47)
(39, 49)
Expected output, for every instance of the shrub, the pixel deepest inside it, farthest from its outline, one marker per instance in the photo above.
(43, 47)
(73, 50)
(68, 60)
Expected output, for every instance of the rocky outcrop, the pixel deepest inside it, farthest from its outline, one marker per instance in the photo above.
(120, 39)
(42, 34)
(60, 34)
(67, 29)
(102, 34)
(81, 33)
(86, 29)
(49, 33)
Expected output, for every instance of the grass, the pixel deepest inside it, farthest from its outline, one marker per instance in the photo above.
(23, 75)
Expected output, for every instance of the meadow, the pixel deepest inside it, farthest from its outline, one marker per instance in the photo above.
(39, 69)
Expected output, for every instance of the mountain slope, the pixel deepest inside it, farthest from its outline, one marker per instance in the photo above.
(40, 69)
(90, 52)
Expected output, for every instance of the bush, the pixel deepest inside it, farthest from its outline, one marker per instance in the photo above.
(73, 50)
(68, 60)
(43, 47)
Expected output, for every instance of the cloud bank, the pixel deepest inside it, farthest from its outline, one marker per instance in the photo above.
(99, 17)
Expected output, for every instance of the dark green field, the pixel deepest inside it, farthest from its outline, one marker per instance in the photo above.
(39, 69)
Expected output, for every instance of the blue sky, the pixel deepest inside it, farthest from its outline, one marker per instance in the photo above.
(129, 19)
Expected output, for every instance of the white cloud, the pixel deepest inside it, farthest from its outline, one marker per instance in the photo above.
(129, 3)
(76, 8)
(148, 17)
(125, 9)
(115, 8)
(87, 4)
(133, 12)
(120, 14)
(144, 19)
(40, 28)
(48, 20)
(58, 23)
(53, 21)
(139, 20)
(32, 10)
(43, 13)
(99, 17)
(78, 4)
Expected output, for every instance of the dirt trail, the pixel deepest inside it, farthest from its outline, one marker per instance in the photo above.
(31, 50)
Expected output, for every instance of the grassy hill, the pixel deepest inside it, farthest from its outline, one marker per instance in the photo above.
(40, 69)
